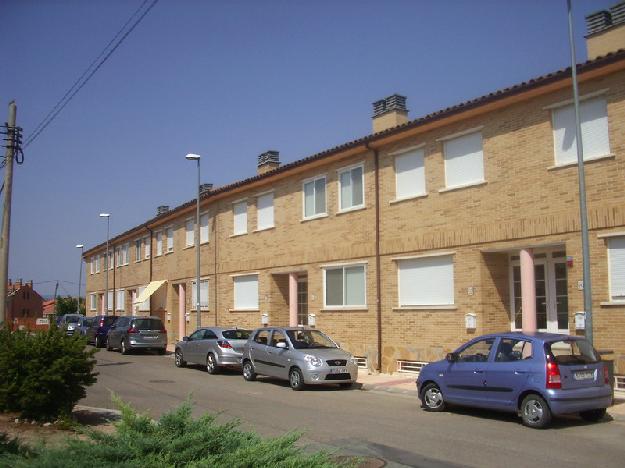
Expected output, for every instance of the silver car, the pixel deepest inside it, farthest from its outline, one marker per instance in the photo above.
(300, 355)
(212, 347)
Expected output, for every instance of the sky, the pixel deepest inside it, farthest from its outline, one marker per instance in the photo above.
(229, 80)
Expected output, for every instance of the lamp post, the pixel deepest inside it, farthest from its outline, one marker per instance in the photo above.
(81, 247)
(106, 264)
(196, 157)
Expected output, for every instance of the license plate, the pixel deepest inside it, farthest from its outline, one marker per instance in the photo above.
(584, 375)
(149, 337)
(338, 370)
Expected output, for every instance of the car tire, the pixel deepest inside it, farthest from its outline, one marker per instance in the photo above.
(535, 412)
(98, 342)
(346, 385)
(161, 351)
(593, 415)
(296, 379)
(432, 398)
(108, 345)
(248, 371)
(123, 347)
(178, 360)
(211, 364)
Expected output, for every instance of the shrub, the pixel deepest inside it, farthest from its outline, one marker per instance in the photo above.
(43, 374)
(176, 440)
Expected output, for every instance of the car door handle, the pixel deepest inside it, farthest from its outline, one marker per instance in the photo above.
(478, 371)
(519, 372)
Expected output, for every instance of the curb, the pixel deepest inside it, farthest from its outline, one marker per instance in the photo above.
(386, 389)
(102, 411)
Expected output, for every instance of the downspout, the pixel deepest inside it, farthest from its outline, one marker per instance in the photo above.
(378, 275)
(150, 278)
(215, 263)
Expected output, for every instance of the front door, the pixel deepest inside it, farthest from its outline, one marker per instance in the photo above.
(302, 300)
(552, 305)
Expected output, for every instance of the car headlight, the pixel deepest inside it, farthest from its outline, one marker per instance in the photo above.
(313, 360)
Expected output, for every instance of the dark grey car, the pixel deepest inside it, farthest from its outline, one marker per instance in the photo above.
(213, 347)
(130, 333)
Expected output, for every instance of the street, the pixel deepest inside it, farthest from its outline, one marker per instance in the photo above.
(364, 423)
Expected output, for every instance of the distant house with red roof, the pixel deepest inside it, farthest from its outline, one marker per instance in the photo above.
(24, 305)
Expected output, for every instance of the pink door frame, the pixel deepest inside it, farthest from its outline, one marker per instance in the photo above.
(292, 299)
(181, 311)
(528, 290)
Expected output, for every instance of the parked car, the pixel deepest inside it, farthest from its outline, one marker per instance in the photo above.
(130, 333)
(536, 375)
(300, 355)
(98, 328)
(213, 347)
(70, 322)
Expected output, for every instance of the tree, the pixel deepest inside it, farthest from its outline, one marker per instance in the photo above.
(67, 305)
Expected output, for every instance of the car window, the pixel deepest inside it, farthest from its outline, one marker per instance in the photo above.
(572, 352)
(197, 335)
(236, 334)
(304, 339)
(72, 319)
(476, 352)
(512, 349)
(262, 337)
(209, 335)
(148, 324)
(122, 322)
(277, 337)
(109, 320)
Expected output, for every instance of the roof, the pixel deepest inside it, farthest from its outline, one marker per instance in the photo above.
(500, 94)
(48, 306)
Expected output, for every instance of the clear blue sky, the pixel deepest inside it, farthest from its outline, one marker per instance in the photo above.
(229, 80)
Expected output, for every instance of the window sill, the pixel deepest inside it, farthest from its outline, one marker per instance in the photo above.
(612, 304)
(170, 252)
(427, 307)
(349, 210)
(411, 197)
(243, 310)
(202, 310)
(344, 308)
(312, 218)
(187, 247)
(239, 234)
(460, 187)
(264, 229)
(586, 161)
(204, 243)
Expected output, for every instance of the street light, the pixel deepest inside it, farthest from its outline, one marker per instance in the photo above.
(81, 247)
(106, 264)
(196, 157)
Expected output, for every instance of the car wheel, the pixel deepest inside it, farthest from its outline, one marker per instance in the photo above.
(593, 415)
(296, 379)
(98, 342)
(123, 347)
(211, 364)
(178, 359)
(108, 345)
(248, 371)
(346, 385)
(432, 398)
(535, 412)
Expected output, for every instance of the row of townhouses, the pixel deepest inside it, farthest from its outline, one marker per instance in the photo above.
(405, 243)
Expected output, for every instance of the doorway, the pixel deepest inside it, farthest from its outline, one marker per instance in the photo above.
(302, 300)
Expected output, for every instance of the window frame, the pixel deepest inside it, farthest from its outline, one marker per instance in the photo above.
(138, 249)
(93, 301)
(343, 170)
(457, 136)
(169, 232)
(258, 217)
(147, 247)
(234, 217)
(424, 258)
(159, 243)
(186, 232)
(343, 267)
(120, 293)
(612, 300)
(314, 180)
(194, 298)
(236, 278)
(207, 217)
(414, 150)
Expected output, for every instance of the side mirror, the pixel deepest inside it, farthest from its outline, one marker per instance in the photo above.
(185, 338)
(452, 357)
(281, 345)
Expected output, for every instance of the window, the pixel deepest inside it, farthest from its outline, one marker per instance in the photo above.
(262, 337)
(264, 209)
(240, 218)
(111, 258)
(120, 301)
(277, 337)
(464, 160)
(476, 352)
(351, 188)
(170, 239)
(197, 335)
(93, 302)
(189, 232)
(147, 244)
(138, 250)
(159, 243)
(315, 197)
(92, 265)
(345, 286)
(97, 263)
(145, 305)
(512, 349)
(246, 292)
(203, 295)
(109, 300)
(203, 228)
(118, 256)
(409, 174)
(125, 254)
(616, 260)
(594, 123)
(426, 281)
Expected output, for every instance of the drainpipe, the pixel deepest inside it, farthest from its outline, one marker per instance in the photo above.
(150, 279)
(378, 275)
(215, 262)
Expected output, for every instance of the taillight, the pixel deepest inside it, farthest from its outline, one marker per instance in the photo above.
(554, 380)
(163, 330)
(132, 331)
(224, 344)
(101, 323)
(606, 375)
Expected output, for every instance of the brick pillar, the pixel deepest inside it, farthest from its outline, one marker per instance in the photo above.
(181, 311)
(528, 291)
(292, 299)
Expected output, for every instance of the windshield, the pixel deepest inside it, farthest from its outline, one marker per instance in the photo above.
(308, 339)
(109, 320)
(236, 334)
(572, 352)
(148, 324)
(72, 318)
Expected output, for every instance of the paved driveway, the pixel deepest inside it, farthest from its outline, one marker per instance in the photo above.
(382, 425)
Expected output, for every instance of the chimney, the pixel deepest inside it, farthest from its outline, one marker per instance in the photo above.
(268, 161)
(18, 283)
(162, 210)
(389, 112)
(205, 188)
(30, 283)
(606, 31)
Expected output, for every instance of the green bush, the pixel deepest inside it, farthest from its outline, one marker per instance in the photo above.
(176, 440)
(43, 374)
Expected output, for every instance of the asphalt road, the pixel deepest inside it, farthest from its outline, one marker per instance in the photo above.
(391, 427)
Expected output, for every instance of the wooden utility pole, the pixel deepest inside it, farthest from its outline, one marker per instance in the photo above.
(6, 213)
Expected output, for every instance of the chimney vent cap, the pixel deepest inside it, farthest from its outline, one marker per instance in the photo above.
(269, 157)
(162, 209)
(394, 102)
(204, 188)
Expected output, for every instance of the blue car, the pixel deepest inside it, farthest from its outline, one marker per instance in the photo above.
(535, 375)
(98, 328)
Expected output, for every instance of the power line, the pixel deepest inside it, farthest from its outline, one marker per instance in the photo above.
(90, 71)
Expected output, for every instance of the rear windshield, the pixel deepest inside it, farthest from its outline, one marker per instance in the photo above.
(572, 352)
(148, 324)
(109, 320)
(236, 334)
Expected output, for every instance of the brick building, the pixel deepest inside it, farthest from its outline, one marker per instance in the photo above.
(407, 242)
(24, 304)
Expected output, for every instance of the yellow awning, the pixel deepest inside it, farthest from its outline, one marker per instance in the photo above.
(149, 290)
